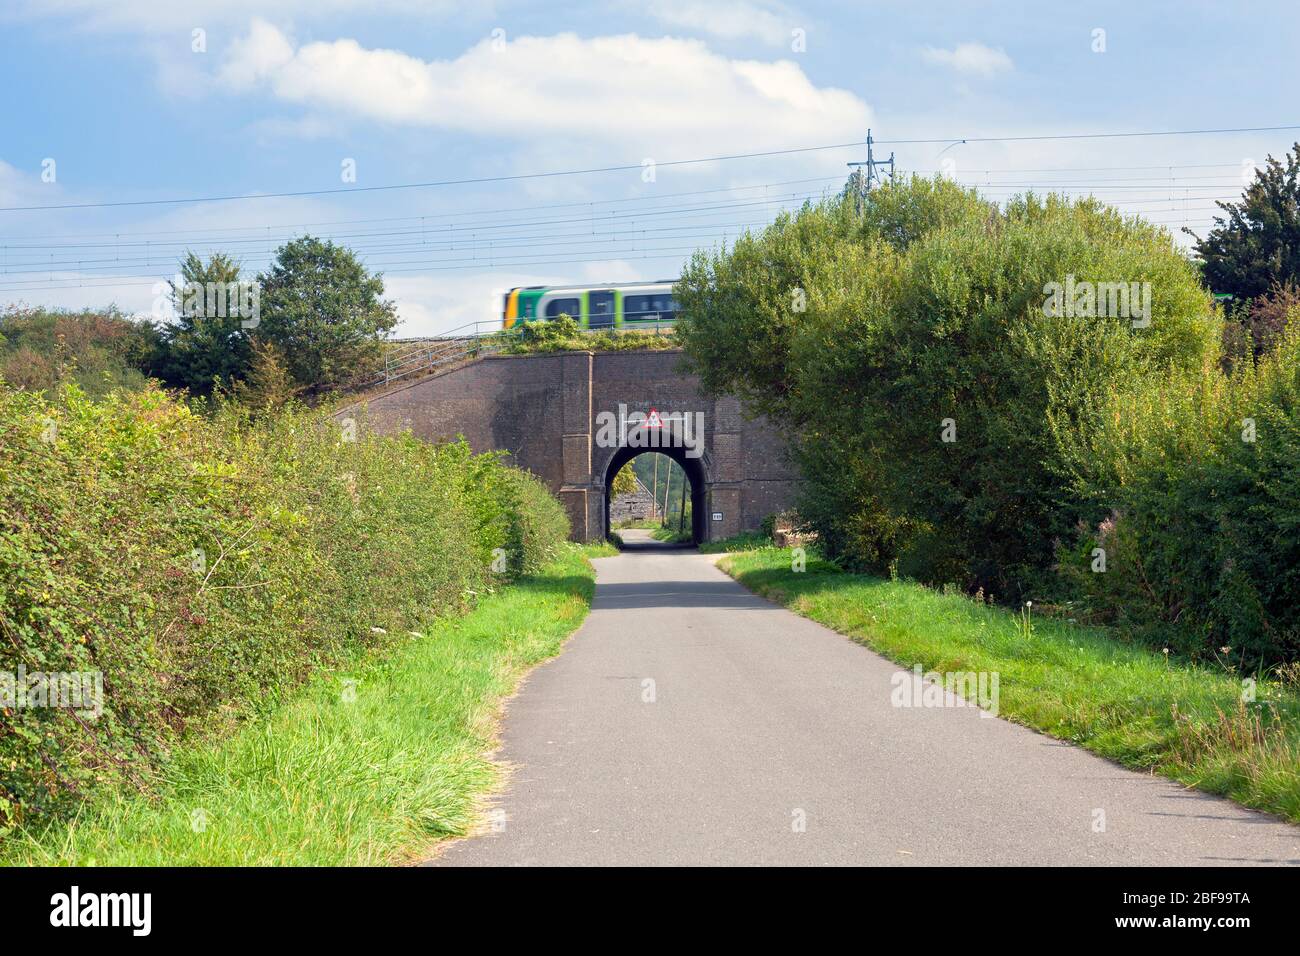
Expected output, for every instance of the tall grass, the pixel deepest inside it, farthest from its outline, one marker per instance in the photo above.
(207, 563)
(368, 765)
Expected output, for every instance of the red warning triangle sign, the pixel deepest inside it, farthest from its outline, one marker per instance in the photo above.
(653, 420)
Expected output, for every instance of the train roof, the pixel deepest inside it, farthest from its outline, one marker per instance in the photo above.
(594, 285)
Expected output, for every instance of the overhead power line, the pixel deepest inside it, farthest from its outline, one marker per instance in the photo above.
(35, 266)
(504, 210)
(625, 167)
(439, 229)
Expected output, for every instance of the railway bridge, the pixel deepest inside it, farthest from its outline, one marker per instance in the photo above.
(575, 418)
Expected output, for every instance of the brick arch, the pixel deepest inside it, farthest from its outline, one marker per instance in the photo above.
(696, 469)
(543, 410)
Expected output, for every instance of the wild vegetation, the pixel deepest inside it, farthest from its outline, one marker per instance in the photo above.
(375, 760)
(207, 560)
(99, 351)
(955, 424)
(563, 334)
(315, 322)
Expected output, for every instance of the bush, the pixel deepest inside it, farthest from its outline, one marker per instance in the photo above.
(100, 351)
(563, 334)
(205, 564)
(1202, 545)
(1254, 329)
(865, 334)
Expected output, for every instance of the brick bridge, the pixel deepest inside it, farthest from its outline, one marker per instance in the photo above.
(575, 418)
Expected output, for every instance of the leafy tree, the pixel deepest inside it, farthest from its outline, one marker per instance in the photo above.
(1256, 328)
(268, 386)
(1257, 244)
(624, 482)
(207, 344)
(865, 331)
(324, 311)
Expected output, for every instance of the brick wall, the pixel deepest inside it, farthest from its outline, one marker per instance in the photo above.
(543, 409)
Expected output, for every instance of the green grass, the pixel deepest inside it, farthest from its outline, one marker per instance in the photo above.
(602, 549)
(671, 535)
(346, 774)
(745, 541)
(1082, 684)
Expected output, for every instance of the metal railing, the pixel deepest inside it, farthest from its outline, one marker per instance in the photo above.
(466, 341)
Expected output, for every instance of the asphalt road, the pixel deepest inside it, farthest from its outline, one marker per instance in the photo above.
(690, 722)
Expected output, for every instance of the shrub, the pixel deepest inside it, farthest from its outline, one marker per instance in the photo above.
(864, 334)
(100, 351)
(206, 563)
(563, 334)
(1202, 547)
(1255, 328)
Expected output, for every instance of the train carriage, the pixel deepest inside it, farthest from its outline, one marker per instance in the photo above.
(611, 306)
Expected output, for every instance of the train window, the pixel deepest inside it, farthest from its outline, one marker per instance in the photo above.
(569, 307)
(600, 308)
(656, 307)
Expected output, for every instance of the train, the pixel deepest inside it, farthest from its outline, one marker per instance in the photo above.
(616, 305)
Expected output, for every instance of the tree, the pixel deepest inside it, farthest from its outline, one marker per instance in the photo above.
(1260, 323)
(324, 312)
(929, 394)
(1256, 246)
(624, 482)
(269, 386)
(208, 343)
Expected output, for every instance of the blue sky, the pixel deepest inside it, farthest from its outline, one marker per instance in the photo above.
(289, 95)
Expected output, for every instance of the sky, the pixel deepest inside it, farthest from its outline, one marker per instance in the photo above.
(134, 131)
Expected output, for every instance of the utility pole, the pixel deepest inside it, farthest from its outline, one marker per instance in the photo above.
(864, 173)
(668, 488)
(681, 515)
(655, 494)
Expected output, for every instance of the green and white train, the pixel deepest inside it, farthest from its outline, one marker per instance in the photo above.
(614, 306)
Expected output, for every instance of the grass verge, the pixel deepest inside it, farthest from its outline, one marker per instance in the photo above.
(603, 549)
(1082, 684)
(671, 535)
(745, 541)
(363, 767)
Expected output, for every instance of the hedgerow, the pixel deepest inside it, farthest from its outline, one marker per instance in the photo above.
(1200, 476)
(205, 562)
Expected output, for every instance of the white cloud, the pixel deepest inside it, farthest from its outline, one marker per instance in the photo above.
(665, 98)
(24, 189)
(729, 19)
(260, 54)
(434, 305)
(969, 58)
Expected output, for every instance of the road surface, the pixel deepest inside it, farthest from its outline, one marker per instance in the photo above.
(690, 722)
